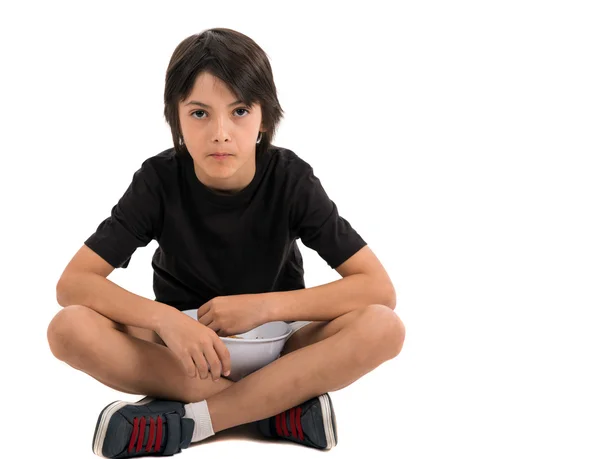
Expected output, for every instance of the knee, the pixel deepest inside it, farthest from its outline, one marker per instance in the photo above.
(383, 330)
(69, 329)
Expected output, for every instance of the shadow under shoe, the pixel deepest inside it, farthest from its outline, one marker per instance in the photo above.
(311, 423)
(147, 427)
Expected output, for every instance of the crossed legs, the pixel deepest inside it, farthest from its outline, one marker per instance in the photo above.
(320, 357)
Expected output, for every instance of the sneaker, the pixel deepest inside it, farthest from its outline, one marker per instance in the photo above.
(311, 424)
(147, 427)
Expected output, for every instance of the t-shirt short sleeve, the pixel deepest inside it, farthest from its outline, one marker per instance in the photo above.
(315, 219)
(133, 222)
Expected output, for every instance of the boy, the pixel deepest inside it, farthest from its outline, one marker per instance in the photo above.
(226, 207)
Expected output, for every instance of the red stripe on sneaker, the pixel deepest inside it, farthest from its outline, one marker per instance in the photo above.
(151, 435)
(141, 435)
(284, 425)
(133, 435)
(278, 425)
(299, 424)
(292, 416)
(158, 435)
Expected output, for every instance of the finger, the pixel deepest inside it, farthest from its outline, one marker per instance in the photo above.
(202, 310)
(224, 357)
(213, 360)
(214, 327)
(189, 366)
(201, 364)
(206, 318)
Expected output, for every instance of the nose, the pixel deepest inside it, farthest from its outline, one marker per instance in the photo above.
(221, 133)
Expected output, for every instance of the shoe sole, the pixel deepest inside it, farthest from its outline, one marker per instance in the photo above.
(328, 420)
(104, 418)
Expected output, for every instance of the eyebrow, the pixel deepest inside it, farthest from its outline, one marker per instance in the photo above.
(200, 104)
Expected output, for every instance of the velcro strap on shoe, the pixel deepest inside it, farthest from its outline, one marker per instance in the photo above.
(173, 439)
(187, 431)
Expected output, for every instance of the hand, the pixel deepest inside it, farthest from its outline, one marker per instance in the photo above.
(197, 347)
(235, 314)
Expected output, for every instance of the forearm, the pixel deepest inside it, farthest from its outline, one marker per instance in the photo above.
(110, 300)
(328, 301)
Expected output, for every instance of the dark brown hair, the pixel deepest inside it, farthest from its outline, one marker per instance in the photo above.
(232, 57)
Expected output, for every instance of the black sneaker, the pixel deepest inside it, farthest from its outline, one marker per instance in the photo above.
(311, 423)
(150, 427)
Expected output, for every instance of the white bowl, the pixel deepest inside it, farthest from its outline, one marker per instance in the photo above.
(254, 349)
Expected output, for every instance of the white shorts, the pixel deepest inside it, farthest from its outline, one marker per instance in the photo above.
(297, 325)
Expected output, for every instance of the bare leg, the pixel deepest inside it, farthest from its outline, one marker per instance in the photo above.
(367, 339)
(108, 352)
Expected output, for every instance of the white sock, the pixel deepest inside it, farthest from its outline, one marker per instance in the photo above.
(202, 424)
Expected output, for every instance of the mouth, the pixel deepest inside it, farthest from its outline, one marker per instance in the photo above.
(220, 155)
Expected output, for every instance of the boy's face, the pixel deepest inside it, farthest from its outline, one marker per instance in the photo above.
(221, 127)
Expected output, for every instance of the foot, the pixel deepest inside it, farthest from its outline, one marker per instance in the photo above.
(311, 424)
(148, 427)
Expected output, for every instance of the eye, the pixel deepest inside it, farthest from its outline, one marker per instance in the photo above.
(237, 109)
(202, 111)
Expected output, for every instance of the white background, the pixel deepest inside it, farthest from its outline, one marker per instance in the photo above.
(460, 139)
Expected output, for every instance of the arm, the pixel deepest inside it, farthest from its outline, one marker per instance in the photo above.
(364, 282)
(110, 300)
(84, 282)
(315, 219)
(134, 221)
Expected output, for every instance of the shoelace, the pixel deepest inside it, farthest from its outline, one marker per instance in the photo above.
(293, 414)
(139, 428)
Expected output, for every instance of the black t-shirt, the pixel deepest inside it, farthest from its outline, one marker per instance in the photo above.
(212, 244)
